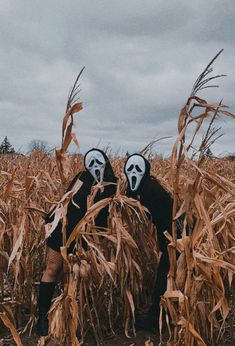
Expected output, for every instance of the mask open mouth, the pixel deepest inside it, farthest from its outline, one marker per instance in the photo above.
(133, 182)
(97, 173)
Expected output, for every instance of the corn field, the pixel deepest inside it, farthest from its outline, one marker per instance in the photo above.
(104, 286)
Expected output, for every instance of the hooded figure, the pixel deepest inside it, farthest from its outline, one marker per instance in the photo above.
(97, 170)
(145, 188)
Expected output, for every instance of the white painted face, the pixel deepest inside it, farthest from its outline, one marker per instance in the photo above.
(95, 164)
(135, 169)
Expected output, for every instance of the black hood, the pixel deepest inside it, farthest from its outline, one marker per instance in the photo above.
(108, 191)
(129, 192)
(108, 172)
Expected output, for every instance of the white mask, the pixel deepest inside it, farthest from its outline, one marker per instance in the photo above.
(95, 163)
(135, 169)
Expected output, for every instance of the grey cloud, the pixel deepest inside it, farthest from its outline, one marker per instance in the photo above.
(141, 61)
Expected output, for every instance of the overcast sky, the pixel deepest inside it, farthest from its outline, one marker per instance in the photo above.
(141, 58)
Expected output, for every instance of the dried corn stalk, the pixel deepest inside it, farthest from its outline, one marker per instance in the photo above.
(196, 300)
(111, 274)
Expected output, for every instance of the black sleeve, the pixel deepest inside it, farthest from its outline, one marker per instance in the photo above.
(77, 207)
(160, 204)
(84, 176)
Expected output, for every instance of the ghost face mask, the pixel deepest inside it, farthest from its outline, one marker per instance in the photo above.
(135, 169)
(95, 163)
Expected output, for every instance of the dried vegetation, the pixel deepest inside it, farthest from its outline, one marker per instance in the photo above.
(104, 285)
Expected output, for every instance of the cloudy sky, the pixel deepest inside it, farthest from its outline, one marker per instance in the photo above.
(141, 58)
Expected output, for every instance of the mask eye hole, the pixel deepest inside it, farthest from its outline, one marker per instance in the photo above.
(91, 163)
(138, 169)
(99, 162)
(130, 168)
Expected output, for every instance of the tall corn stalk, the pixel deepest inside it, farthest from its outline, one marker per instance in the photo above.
(196, 301)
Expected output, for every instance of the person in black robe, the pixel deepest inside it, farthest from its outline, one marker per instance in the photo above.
(97, 170)
(145, 188)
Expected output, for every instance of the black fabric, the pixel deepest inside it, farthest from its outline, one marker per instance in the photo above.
(74, 214)
(160, 285)
(159, 203)
(108, 191)
(46, 291)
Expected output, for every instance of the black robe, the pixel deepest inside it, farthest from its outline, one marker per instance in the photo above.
(74, 214)
(159, 203)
